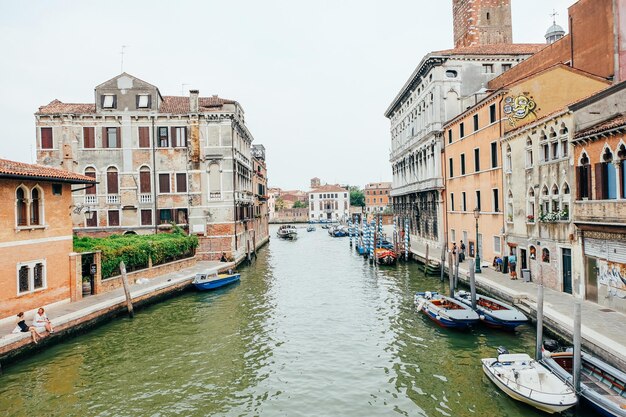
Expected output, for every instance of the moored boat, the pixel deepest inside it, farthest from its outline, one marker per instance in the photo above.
(602, 386)
(287, 231)
(310, 229)
(385, 256)
(526, 380)
(338, 231)
(445, 311)
(214, 280)
(492, 312)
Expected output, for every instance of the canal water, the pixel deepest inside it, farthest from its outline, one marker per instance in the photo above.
(311, 330)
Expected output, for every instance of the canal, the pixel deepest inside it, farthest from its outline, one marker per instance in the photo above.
(311, 330)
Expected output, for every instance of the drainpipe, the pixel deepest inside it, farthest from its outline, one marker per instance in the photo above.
(154, 176)
(232, 153)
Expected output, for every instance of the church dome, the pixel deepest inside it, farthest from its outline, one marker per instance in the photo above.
(554, 33)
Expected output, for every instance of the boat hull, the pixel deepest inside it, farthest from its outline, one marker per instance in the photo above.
(550, 408)
(460, 317)
(506, 317)
(385, 257)
(216, 283)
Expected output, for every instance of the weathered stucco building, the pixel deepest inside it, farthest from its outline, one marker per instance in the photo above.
(376, 196)
(329, 202)
(158, 160)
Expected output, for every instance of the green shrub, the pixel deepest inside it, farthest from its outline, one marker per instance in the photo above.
(135, 250)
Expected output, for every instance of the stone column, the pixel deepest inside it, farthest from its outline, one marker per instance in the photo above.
(618, 178)
(97, 279)
(75, 278)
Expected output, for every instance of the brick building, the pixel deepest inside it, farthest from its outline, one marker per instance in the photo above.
(377, 196)
(36, 236)
(158, 160)
(481, 22)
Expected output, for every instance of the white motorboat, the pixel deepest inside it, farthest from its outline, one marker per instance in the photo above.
(492, 312)
(287, 231)
(526, 380)
(445, 311)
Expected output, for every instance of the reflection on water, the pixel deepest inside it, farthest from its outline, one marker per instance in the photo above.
(311, 330)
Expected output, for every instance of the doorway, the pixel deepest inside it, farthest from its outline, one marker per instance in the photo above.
(591, 285)
(523, 261)
(566, 261)
(88, 270)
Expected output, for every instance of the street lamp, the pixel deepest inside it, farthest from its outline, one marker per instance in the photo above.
(477, 266)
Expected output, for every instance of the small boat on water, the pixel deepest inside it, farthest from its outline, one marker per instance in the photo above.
(526, 380)
(310, 229)
(445, 311)
(602, 386)
(287, 231)
(492, 312)
(214, 280)
(338, 231)
(385, 256)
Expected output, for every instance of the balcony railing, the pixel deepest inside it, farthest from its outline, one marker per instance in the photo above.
(113, 199)
(91, 199)
(145, 198)
(215, 195)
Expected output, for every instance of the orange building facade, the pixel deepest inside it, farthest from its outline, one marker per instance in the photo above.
(377, 196)
(472, 157)
(35, 236)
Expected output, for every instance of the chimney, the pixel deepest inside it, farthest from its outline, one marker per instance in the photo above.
(193, 101)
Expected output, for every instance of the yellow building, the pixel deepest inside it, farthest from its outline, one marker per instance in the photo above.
(472, 159)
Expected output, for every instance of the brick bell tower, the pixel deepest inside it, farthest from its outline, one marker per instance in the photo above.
(481, 22)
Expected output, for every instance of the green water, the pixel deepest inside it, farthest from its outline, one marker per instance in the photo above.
(311, 330)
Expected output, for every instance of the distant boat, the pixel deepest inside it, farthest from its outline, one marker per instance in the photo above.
(310, 229)
(445, 311)
(214, 280)
(526, 380)
(385, 256)
(601, 385)
(287, 231)
(492, 312)
(338, 231)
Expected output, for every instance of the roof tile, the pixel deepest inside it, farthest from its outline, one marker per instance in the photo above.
(21, 169)
(618, 120)
(494, 49)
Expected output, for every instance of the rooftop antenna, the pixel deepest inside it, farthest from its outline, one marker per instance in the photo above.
(122, 58)
(182, 88)
(554, 14)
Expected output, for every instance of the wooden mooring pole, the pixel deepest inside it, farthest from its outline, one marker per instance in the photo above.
(426, 263)
(129, 301)
(442, 264)
(472, 279)
(539, 322)
(456, 270)
(451, 274)
(577, 343)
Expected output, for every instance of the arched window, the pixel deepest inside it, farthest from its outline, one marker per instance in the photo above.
(529, 152)
(566, 188)
(35, 207)
(112, 181)
(621, 154)
(215, 181)
(509, 206)
(22, 210)
(145, 180)
(606, 181)
(545, 255)
(530, 208)
(533, 252)
(91, 172)
(583, 178)
(544, 190)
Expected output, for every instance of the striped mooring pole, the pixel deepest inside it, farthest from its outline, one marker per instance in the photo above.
(406, 239)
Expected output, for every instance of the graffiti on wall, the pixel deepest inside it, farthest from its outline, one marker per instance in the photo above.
(613, 275)
(518, 108)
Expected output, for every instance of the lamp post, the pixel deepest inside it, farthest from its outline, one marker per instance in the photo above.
(476, 215)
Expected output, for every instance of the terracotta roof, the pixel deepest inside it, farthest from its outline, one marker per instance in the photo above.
(619, 120)
(13, 169)
(170, 104)
(328, 188)
(57, 107)
(180, 104)
(495, 49)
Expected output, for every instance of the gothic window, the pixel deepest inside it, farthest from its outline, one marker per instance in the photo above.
(509, 165)
(529, 152)
(22, 210)
(606, 181)
(583, 178)
(35, 207)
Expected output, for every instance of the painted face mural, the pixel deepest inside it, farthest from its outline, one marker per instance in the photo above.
(517, 108)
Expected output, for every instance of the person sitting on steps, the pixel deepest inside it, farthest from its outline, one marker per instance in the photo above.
(41, 321)
(22, 327)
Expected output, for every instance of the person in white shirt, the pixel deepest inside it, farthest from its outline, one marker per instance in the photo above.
(41, 321)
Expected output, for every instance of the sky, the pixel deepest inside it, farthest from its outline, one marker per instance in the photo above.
(314, 77)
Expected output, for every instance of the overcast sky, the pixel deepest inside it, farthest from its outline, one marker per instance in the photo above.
(314, 77)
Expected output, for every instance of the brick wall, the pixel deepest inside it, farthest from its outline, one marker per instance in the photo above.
(481, 22)
(112, 283)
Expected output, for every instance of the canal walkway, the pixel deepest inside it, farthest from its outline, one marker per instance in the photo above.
(69, 317)
(603, 330)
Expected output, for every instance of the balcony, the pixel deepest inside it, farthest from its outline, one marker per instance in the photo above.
(113, 199)
(145, 198)
(217, 195)
(91, 199)
(600, 211)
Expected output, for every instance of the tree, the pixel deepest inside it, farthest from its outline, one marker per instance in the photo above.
(357, 198)
(299, 204)
(280, 204)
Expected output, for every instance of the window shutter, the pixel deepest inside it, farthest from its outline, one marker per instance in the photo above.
(599, 168)
(136, 101)
(185, 133)
(174, 141)
(144, 182)
(105, 138)
(115, 101)
(112, 186)
(164, 183)
(146, 217)
(144, 137)
(150, 101)
(46, 138)
(88, 137)
(119, 136)
(181, 183)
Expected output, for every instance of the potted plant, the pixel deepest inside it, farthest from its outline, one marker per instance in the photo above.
(530, 218)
